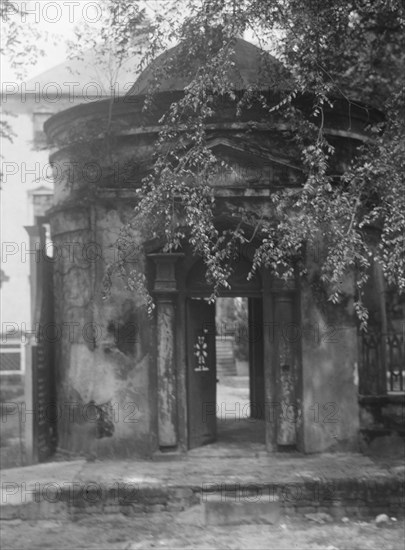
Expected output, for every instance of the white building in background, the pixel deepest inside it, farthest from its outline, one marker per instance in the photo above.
(27, 187)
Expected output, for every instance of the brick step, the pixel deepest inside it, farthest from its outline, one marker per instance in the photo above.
(219, 503)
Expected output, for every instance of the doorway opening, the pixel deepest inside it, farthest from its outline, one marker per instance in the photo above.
(226, 404)
(239, 370)
(226, 398)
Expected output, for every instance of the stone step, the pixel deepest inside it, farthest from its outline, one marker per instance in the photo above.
(228, 361)
(225, 357)
(225, 353)
(226, 369)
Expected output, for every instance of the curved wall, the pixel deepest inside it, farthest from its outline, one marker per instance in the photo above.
(106, 359)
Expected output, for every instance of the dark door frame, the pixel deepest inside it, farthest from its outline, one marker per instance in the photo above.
(272, 295)
(249, 290)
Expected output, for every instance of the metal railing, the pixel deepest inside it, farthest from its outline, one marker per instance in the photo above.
(383, 362)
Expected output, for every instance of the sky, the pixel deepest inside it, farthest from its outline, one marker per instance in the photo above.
(56, 20)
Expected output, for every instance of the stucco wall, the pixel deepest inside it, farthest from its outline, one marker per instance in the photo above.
(104, 354)
(120, 375)
(329, 363)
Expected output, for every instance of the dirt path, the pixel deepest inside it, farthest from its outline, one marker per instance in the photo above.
(186, 531)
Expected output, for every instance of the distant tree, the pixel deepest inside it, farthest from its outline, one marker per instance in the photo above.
(118, 35)
(19, 45)
(19, 38)
(3, 277)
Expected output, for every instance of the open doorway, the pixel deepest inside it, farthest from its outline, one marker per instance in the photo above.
(239, 370)
(237, 408)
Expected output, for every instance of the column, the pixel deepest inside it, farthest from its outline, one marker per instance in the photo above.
(165, 292)
(287, 341)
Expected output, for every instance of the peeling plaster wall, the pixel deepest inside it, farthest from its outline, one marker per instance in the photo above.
(329, 361)
(104, 361)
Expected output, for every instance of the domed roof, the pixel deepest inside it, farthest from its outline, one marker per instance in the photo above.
(252, 67)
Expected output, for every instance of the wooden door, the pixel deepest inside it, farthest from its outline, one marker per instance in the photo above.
(201, 373)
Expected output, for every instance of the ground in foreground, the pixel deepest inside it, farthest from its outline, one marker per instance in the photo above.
(186, 530)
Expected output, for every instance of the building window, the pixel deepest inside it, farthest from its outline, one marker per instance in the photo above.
(12, 358)
(39, 120)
